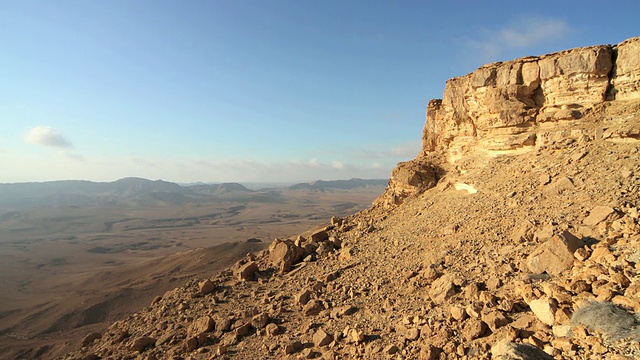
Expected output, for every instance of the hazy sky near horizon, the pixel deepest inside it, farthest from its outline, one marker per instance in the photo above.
(253, 91)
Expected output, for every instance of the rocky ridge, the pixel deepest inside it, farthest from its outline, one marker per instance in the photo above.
(513, 235)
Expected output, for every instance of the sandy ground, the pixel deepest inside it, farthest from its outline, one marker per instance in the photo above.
(68, 271)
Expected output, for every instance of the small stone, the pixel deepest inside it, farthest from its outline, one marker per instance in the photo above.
(495, 320)
(555, 255)
(506, 349)
(243, 329)
(390, 349)
(458, 313)
(292, 347)
(260, 321)
(247, 271)
(200, 326)
(321, 338)
(206, 287)
(141, 343)
(581, 254)
(473, 328)
(313, 307)
(272, 329)
(302, 298)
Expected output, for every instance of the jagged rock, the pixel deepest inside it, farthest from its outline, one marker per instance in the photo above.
(303, 297)
(495, 319)
(555, 255)
(321, 338)
(260, 321)
(442, 289)
(544, 309)
(141, 343)
(524, 232)
(319, 235)
(284, 254)
(313, 307)
(473, 328)
(243, 329)
(201, 326)
(206, 287)
(247, 271)
(292, 347)
(390, 349)
(341, 311)
(408, 179)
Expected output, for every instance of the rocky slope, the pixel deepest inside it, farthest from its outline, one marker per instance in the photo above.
(513, 235)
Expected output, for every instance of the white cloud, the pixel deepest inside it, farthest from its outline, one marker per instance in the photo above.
(337, 165)
(525, 33)
(48, 136)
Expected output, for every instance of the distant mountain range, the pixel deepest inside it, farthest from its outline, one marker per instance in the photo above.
(322, 185)
(138, 191)
(80, 192)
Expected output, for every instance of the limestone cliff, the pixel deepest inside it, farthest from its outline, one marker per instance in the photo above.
(500, 106)
(525, 104)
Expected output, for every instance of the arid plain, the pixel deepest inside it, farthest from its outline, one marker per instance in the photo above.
(74, 264)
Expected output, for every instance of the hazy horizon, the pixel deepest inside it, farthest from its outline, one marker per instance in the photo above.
(246, 91)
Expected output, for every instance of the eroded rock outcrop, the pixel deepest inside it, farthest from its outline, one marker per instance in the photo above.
(501, 105)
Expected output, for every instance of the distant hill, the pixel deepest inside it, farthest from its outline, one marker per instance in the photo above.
(126, 190)
(322, 185)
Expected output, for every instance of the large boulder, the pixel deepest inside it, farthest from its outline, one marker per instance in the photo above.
(284, 254)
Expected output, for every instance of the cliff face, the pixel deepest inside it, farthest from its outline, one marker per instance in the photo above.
(500, 106)
(526, 104)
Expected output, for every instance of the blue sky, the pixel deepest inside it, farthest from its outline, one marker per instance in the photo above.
(252, 91)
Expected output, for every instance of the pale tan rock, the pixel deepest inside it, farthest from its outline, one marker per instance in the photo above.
(442, 289)
(626, 77)
(313, 307)
(555, 255)
(544, 309)
(458, 313)
(303, 297)
(408, 179)
(598, 214)
(91, 337)
(292, 347)
(390, 349)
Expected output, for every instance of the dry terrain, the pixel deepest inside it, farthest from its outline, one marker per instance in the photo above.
(514, 234)
(72, 269)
